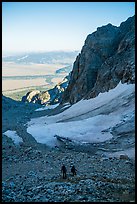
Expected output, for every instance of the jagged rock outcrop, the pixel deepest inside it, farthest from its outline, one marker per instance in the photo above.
(50, 97)
(107, 57)
(31, 96)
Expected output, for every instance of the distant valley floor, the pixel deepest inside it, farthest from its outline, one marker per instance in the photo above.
(17, 80)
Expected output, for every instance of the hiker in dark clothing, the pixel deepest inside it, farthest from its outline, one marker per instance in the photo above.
(64, 170)
(73, 170)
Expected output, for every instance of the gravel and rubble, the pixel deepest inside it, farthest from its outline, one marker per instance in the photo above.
(34, 175)
(31, 172)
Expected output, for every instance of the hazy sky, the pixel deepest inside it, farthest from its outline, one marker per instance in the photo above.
(35, 26)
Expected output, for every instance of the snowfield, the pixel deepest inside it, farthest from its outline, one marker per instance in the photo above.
(70, 124)
(13, 135)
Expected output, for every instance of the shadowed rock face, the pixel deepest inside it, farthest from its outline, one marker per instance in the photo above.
(107, 57)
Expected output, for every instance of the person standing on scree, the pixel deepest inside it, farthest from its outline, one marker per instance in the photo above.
(64, 170)
(73, 170)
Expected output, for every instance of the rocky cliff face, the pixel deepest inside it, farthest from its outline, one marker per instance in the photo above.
(107, 57)
(50, 97)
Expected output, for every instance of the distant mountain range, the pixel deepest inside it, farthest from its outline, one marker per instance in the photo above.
(56, 57)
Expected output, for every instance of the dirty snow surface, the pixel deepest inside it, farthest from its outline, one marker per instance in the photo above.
(13, 135)
(47, 107)
(88, 120)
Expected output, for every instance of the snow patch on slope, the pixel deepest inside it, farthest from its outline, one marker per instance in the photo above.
(84, 106)
(130, 152)
(22, 58)
(88, 130)
(47, 107)
(13, 135)
(91, 129)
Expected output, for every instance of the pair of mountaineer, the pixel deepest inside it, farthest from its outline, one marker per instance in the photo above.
(64, 171)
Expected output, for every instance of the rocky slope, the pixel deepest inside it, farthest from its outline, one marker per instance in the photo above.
(50, 97)
(34, 176)
(31, 171)
(107, 57)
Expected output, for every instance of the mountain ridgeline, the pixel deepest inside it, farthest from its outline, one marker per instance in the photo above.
(107, 57)
(53, 57)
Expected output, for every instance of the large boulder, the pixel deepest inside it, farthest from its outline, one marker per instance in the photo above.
(31, 96)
